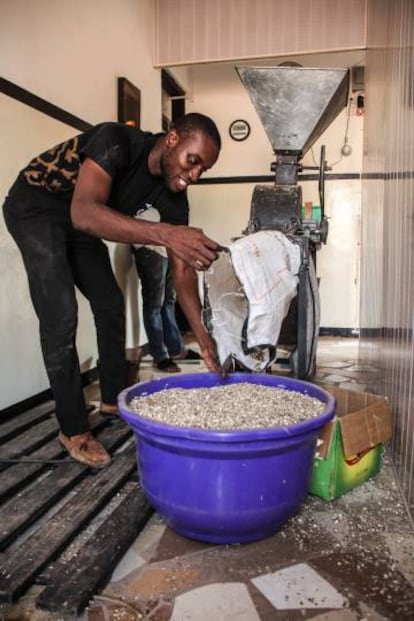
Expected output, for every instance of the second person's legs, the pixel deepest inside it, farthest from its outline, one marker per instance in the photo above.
(152, 268)
(172, 335)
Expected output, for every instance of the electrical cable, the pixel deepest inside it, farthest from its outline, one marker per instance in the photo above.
(55, 462)
(35, 461)
(346, 148)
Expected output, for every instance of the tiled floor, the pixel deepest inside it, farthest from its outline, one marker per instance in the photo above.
(347, 559)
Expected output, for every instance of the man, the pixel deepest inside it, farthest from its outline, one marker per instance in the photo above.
(61, 207)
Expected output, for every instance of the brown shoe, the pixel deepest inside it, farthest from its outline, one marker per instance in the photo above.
(86, 449)
(107, 409)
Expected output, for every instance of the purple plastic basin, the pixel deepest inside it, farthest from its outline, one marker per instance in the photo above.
(225, 486)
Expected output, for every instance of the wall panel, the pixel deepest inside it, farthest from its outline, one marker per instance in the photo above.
(197, 31)
(387, 295)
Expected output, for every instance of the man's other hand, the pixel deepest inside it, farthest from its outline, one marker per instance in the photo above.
(191, 245)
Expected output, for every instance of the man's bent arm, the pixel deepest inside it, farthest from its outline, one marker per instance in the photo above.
(90, 213)
(186, 286)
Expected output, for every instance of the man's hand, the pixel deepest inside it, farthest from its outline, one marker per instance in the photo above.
(209, 353)
(191, 245)
(186, 285)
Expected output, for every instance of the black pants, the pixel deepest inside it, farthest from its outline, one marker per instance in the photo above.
(57, 258)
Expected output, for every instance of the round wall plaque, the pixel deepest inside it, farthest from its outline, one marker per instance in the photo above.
(239, 130)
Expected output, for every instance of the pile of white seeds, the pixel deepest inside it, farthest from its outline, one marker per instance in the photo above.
(231, 407)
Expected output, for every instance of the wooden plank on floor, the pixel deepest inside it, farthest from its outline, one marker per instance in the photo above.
(21, 511)
(15, 476)
(20, 422)
(28, 441)
(21, 566)
(72, 584)
(17, 430)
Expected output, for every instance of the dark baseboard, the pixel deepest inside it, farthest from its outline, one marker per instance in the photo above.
(344, 332)
(389, 334)
(46, 395)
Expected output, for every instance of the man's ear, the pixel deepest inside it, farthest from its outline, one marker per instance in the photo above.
(172, 138)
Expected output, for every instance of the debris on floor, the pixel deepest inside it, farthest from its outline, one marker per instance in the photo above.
(348, 559)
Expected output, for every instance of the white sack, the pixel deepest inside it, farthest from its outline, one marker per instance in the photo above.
(247, 294)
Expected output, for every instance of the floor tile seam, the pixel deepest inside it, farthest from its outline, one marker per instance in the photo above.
(134, 575)
(323, 370)
(347, 594)
(337, 378)
(303, 557)
(182, 557)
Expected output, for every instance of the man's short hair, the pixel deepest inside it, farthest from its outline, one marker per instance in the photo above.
(194, 121)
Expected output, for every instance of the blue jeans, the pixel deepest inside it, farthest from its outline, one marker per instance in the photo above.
(158, 304)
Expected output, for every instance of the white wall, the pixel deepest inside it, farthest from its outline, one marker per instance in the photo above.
(71, 55)
(223, 210)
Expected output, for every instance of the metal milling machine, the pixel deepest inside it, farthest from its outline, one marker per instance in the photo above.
(295, 106)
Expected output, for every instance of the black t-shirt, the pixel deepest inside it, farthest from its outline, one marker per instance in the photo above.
(122, 151)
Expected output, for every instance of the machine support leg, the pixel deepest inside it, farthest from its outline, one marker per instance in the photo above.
(303, 316)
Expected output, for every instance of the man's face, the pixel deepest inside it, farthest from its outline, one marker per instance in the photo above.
(186, 157)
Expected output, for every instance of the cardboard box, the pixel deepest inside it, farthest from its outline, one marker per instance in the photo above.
(350, 450)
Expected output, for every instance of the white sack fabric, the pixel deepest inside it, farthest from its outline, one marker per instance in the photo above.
(247, 294)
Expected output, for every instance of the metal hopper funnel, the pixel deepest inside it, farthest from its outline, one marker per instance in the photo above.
(295, 104)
